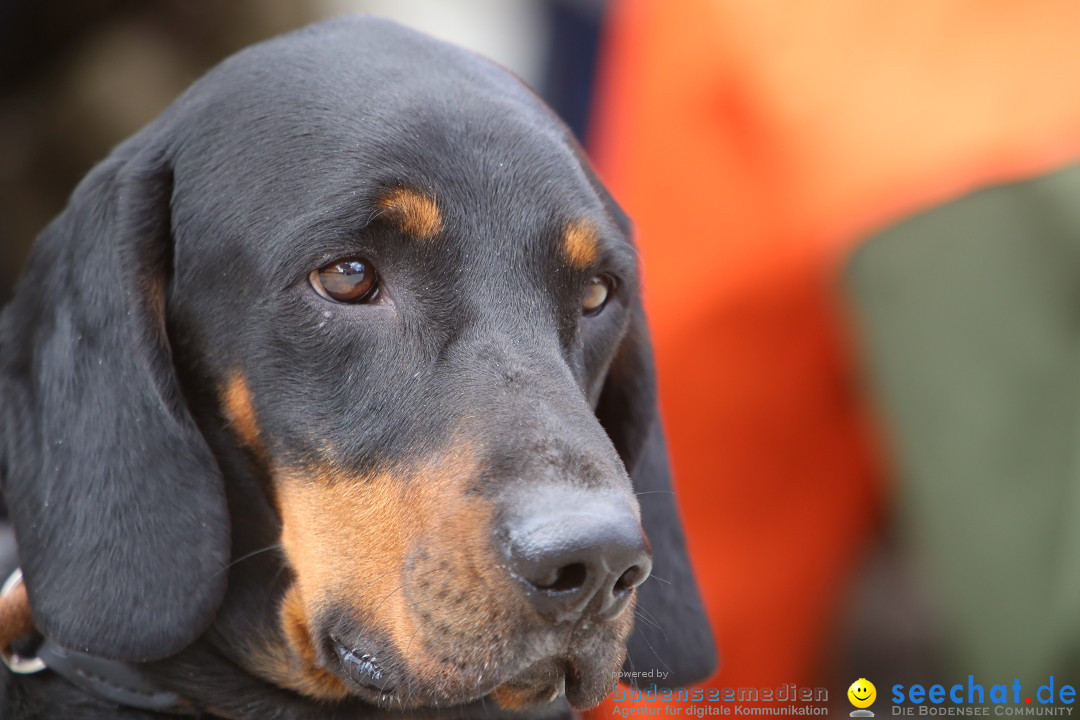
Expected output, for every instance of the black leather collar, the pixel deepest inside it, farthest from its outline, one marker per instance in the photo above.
(119, 682)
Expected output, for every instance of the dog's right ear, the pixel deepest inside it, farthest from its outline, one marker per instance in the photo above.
(117, 500)
(672, 632)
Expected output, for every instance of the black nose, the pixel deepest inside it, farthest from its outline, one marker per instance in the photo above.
(580, 555)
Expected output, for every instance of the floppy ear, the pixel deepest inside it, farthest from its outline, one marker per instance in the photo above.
(117, 501)
(672, 632)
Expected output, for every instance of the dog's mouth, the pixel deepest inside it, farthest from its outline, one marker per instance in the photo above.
(364, 670)
(383, 681)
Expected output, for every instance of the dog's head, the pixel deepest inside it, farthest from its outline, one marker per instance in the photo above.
(365, 281)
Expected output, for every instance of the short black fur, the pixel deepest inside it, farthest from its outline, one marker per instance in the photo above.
(145, 531)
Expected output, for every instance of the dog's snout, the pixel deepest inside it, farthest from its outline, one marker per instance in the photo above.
(581, 558)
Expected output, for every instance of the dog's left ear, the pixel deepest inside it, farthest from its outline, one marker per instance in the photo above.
(672, 632)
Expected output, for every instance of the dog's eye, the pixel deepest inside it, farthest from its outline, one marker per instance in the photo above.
(346, 281)
(596, 294)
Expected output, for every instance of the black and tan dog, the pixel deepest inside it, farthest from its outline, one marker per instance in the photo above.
(318, 401)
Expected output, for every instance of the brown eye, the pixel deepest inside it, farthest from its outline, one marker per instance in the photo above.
(596, 294)
(346, 281)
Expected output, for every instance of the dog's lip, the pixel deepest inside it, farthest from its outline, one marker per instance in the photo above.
(586, 685)
(542, 682)
(364, 669)
(577, 694)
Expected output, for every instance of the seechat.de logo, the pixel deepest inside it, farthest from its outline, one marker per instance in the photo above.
(975, 699)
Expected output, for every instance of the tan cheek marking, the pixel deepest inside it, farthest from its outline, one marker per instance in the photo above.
(580, 244)
(347, 540)
(414, 212)
(294, 665)
(319, 682)
(240, 411)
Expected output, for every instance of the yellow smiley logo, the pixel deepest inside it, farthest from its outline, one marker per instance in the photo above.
(862, 693)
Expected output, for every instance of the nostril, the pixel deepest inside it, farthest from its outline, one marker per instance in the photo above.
(630, 579)
(576, 553)
(568, 577)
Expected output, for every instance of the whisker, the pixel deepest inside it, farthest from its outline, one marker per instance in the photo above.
(656, 654)
(391, 594)
(655, 623)
(647, 621)
(408, 647)
(253, 553)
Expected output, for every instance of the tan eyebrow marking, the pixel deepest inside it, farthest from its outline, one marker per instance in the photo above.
(240, 411)
(414, 212)
(580, 243)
